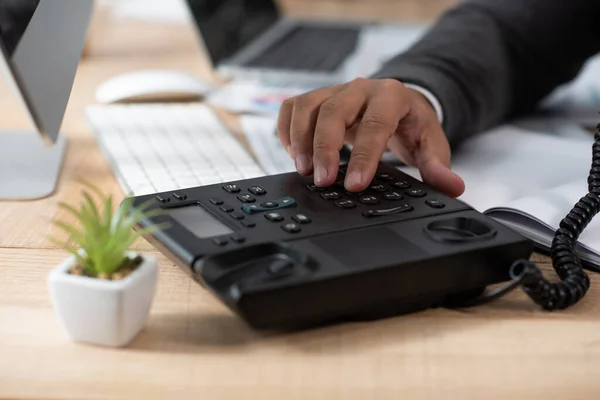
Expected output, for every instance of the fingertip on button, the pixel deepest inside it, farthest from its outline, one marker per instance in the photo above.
(303, 163)
(354, 181)
(321, 175)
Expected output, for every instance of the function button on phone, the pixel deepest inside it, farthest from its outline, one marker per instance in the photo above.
(246, 198)
(353, 194)
(220, 241)
(347, 204)
(416, 192)
(238, 238)
(393, 196)
(379, 188)
(237, 215)
(257, 191)
(369, 200)
(401, 184)
(162, 199)
(231, 188)
(291, 227)
(251, 208)
(178, 196)
(273, 216)
(280, 266)
(216, 202)
(301, 218)
(286, 202)
(331, 195)
(314, 188)
(386, 212)
(248, 224)
(226, 208)
(384, 176)
(435, 203)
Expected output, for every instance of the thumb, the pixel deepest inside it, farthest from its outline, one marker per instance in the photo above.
(432, 158)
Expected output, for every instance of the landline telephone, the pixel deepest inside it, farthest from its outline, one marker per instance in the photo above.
(285, 254)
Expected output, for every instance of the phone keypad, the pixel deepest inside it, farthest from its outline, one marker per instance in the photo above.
(301, 219)
(386, 196)
(246, 198)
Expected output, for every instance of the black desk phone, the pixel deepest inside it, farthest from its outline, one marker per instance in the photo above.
(284, 254)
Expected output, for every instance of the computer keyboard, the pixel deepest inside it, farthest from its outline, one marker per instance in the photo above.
(160, 147)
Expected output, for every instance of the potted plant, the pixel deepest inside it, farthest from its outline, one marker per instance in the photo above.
(103, 292)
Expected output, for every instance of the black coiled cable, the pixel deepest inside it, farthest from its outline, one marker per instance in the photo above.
(574, 281)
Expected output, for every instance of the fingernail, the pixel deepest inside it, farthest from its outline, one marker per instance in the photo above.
(354, 179)
(320, 174)
(302, 163)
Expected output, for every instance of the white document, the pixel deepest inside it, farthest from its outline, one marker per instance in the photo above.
(250, 97)
(262, 137)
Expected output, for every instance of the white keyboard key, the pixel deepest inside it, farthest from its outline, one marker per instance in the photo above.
(163, 147)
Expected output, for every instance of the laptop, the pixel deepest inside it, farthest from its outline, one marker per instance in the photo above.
(252, 40)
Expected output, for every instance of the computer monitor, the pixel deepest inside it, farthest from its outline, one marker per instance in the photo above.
(41, 42)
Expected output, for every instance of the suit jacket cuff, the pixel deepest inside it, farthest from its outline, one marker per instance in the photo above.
(439, 88)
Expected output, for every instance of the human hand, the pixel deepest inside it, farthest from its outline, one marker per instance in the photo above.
(371, 115)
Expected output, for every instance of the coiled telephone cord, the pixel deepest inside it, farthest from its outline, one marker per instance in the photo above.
(574, 281)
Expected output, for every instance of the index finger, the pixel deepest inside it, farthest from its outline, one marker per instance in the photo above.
(336, 115)
(386, 107)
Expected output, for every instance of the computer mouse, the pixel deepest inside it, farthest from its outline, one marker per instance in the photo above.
(153, 86)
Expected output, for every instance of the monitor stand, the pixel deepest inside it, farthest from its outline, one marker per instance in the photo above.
(28, 168)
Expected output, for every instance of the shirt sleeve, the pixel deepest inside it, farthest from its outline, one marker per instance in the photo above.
(435, 103)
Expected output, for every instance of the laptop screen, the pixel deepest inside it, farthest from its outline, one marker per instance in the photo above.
(15, 16)
(226, 26)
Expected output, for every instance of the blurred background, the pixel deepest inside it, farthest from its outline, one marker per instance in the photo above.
(381, 10)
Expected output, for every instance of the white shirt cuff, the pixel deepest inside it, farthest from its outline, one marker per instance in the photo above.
(431, 98)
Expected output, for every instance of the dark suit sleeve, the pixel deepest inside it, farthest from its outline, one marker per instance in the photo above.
(491, 60)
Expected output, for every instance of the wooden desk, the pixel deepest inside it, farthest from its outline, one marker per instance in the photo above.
(194, 348)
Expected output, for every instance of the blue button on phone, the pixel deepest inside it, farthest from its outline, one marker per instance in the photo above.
(284, 202)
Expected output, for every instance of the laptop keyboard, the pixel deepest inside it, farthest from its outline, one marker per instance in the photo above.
(310, 48)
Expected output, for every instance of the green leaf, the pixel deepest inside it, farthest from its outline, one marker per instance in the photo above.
(104, 235)
(71, 231)
(71, 210)
(92, 206)
(78, 257)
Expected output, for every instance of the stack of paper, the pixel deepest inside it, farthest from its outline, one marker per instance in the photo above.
(262, 137)
(252, 97)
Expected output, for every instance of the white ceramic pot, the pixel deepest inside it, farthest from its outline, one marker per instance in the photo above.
(104, 312)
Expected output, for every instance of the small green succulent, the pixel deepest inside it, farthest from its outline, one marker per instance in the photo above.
(104, 236)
